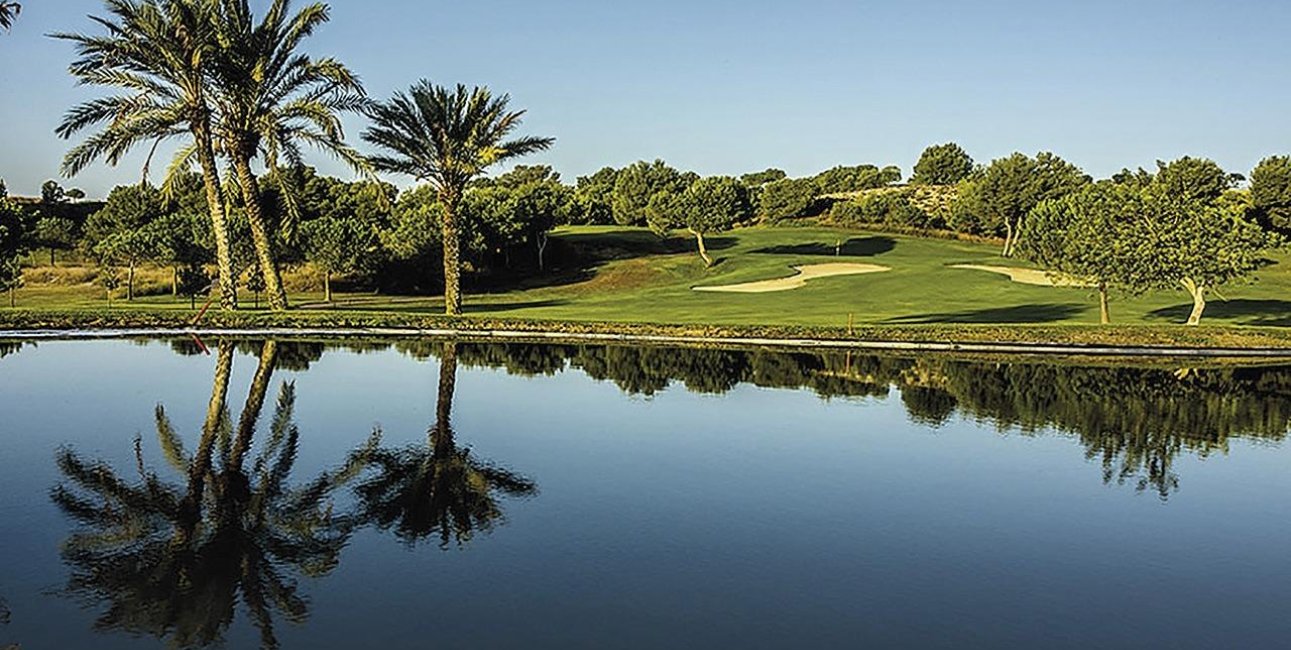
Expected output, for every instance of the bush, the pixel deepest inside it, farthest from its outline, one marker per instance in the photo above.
(891, 209)
(788, 198)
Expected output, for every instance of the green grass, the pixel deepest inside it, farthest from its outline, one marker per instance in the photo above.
(633, 277)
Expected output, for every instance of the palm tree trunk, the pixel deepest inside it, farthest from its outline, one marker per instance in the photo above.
(441, 435)
(255, 403)
(260, 234)
(452, 257)
(201, 464)
(219, 226)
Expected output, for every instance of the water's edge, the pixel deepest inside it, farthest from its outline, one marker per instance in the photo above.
(648, 339)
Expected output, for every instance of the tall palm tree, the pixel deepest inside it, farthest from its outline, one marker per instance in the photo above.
(8, 12)
(272, 99)
(155, 52)
(438, 489)
(447, 138)
(175, 560)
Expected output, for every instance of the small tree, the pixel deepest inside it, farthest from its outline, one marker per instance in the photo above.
(712, 205)
(1009, 188)
(55, 233)
(130, 249)
(109, 278)
(787, 198)
(1084, 236)
(1271, 193)
(13, 246)
(192, 281)
(340, 245)
(254, 283)
(942, 164)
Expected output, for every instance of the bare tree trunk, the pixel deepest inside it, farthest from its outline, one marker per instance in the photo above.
(1008, 238)
(215, 203)
(1104, 313)
(260, 234)
(51, 257)
(703, 250)
(327, 285)
(174, 281)
(1198, 293)
(130, 283)
(542, 248)
(452, 256)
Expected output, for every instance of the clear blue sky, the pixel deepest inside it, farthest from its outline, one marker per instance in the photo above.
(725, 87)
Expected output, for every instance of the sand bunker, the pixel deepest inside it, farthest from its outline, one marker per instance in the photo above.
(805, 273)
(1028, 276)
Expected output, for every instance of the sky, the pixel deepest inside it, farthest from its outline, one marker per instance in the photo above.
(728, 87)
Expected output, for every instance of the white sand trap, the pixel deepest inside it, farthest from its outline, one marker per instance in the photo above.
(805, 273)
(1028, 276)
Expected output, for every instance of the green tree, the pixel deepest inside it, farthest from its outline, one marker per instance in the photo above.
(787, 198)
(758, 179)
(1009, 188)
(9, 10)
(1271, 193)
(14, 243)
(637, 184)
(711, 205)
(55, 233)
(595, 197)
(272, 99)
(121, 234)
(844, 179)
(1086, 236)
(157, 54)
(339, 245)
(942, 164)
(1194, 179)
(447, 138)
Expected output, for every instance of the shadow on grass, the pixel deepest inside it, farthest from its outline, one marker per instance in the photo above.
(1041, 313)
(1269, 313)
(511, 306)
(856, 247)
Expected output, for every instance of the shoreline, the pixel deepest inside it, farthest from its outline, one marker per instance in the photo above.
(733, 339)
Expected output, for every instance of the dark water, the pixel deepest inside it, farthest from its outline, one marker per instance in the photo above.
(435, 495)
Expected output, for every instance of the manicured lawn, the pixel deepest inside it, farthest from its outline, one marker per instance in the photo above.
(631, 276)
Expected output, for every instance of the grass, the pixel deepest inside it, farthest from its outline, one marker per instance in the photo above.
(628, 275)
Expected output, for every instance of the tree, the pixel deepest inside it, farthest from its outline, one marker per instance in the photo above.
(1194, 179)
(538, 207)
(9, 10)
(1189, 243)
(1085, 235)
(157, 53)
(595, 197)
(121, 234)
(447, 138)
(844, 179)
(1009, 188)
(1271, 193)
(340, 245)
(712, 205)
(272, 99)
(942, 164)
(13, 246)
(758, 179)
(787, 198)
(639, 183)
(55, 233)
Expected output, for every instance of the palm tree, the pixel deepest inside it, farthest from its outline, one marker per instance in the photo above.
(271, 100)
(8, 12)
(441, 488)
(447, 138)
(156, 53)
(175, 560)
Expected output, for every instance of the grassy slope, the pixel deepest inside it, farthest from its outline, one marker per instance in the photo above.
(643, 282)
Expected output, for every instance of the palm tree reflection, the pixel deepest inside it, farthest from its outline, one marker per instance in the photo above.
(173, 560)
(439, 489)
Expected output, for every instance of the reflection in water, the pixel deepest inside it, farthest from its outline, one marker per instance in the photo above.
(172, 560)
(1135, 421)
(4, 621)
(440, 488)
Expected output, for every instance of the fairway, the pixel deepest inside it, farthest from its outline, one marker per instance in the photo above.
(629, 275)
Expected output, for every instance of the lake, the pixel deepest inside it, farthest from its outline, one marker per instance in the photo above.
(417, 493)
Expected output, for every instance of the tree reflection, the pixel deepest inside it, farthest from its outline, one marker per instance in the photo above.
(173, 560)
(438, 489)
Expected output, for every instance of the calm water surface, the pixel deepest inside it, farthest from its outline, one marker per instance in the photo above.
(430, 494)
